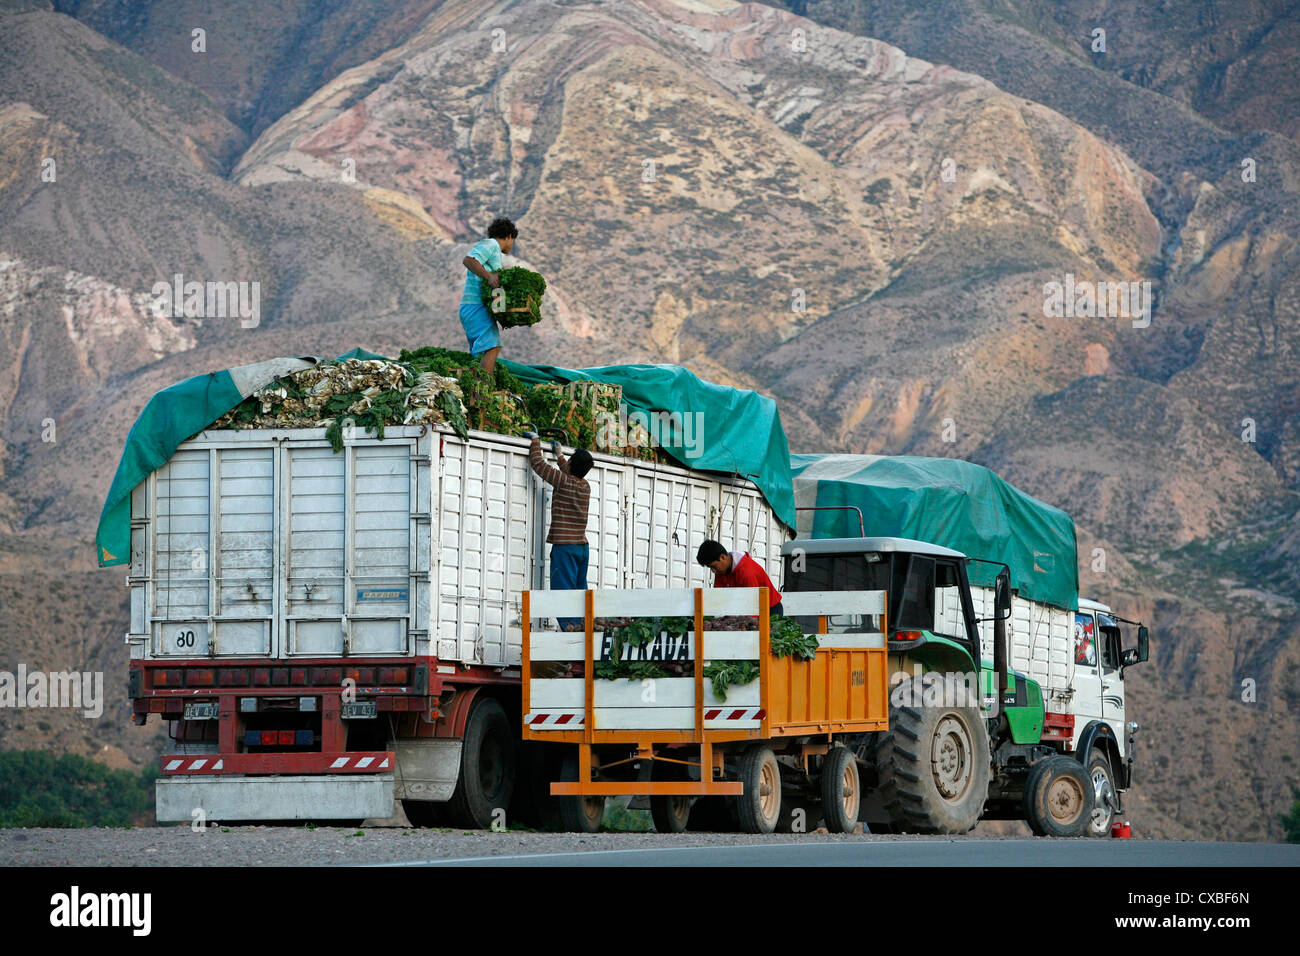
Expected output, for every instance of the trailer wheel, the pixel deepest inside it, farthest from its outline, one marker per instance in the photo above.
(670, 814)
(487, 768)
(759, 807)
(1058, 797)
(841, 790)
(578, 814)
(1103, 792)
(933, 766)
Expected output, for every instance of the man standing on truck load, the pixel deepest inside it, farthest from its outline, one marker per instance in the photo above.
(736, 569)
(568, 533)
(483, 263)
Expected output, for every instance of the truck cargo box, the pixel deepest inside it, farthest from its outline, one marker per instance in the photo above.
(266, 543)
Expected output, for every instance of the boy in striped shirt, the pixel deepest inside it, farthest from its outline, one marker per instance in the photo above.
(568, 532)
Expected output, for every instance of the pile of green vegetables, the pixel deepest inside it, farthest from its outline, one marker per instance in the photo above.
(499, 403)
(519, 300)
(786, 639)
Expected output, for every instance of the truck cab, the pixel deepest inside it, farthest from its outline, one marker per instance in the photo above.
(1101, 735)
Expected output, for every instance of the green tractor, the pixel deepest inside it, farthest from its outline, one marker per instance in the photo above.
(969, 738)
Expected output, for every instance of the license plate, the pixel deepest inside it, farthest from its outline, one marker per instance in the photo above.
(201, 711)
(359, 708)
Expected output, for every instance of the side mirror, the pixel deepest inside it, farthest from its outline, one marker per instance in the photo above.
(1136, 655)
(1002, 596)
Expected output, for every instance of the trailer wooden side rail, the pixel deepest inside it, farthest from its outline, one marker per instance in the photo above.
(842, 689)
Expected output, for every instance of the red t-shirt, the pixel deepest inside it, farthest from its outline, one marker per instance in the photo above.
(748, 573)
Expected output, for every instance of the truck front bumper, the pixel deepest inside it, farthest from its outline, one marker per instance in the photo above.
(324, 797)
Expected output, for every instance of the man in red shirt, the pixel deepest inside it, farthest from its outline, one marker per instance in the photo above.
(736, 569)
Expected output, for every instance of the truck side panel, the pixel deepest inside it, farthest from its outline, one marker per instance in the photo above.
(1040, 637)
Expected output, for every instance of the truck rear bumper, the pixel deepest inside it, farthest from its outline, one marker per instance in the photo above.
(335, 797)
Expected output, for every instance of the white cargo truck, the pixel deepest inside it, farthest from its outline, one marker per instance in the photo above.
(328, 632)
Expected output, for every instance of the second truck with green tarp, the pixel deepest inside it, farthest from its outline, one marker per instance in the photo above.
(1007, 690)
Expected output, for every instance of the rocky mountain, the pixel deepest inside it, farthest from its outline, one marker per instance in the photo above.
(858, 208)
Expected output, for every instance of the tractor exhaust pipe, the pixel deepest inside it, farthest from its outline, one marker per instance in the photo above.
(1002, 610)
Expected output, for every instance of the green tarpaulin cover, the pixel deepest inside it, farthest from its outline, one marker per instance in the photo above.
(717, 428)
(730, 430)
(957, 504)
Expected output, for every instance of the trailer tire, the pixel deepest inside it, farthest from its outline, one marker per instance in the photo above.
(1058, 797)
(578, 814)
(933, 766)
(670, 814)
(487, 768)
(1103, 790)
(841, 790)
(759, 806)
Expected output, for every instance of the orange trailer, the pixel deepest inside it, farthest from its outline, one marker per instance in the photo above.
(672, 738)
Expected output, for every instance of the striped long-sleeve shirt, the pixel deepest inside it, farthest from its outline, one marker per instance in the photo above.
(568, 504)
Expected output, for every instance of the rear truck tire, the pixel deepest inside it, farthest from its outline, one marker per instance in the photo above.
(425, 814)
(933, 767)
(1058, 797)
(487, 768)
(841, 790)
(578, 814)
(759, 806)
(1103, 792)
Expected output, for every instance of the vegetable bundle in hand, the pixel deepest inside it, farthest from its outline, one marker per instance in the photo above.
(519, 300)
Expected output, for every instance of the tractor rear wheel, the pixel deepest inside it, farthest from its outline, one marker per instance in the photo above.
(933, 765)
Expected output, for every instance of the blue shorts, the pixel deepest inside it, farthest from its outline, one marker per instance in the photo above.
(480, 328)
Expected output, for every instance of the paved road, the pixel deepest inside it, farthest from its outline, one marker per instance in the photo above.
(399, 846)
(916, 853)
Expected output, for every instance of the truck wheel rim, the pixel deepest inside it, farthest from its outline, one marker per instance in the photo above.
(950, 757)
(1065, 800)
(850, 798)
(1103, 800)
(769, 790)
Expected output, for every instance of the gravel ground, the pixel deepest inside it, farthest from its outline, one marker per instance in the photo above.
(328, 846)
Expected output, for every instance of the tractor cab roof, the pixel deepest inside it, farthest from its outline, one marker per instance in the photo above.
(867, 545)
